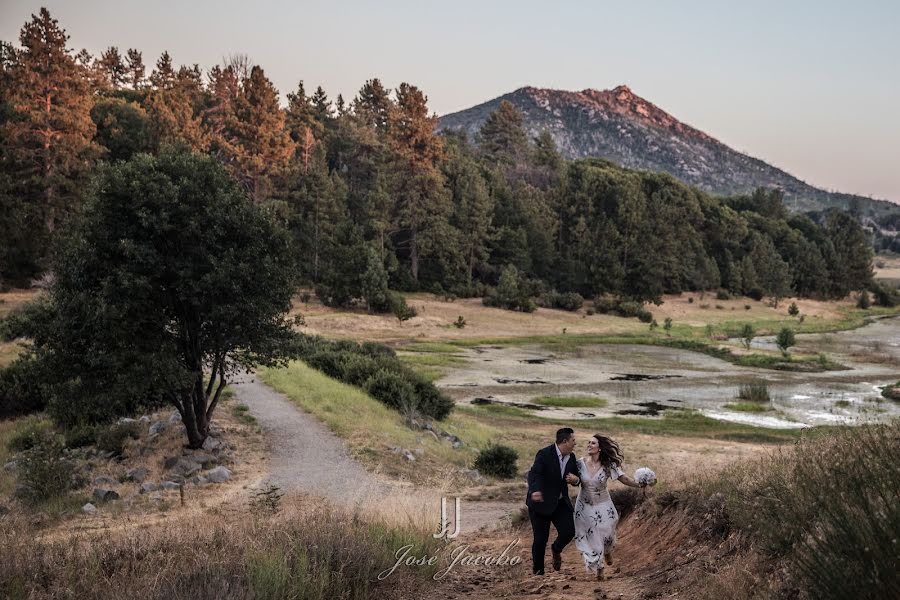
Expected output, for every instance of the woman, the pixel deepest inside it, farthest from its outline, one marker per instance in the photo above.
(595, 514)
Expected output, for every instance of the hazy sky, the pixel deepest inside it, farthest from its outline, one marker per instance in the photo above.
(812, 87)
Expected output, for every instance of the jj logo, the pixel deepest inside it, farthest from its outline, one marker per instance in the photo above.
(445, 522)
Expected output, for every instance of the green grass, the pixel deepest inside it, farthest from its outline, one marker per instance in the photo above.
(572, 401)
(748, 407)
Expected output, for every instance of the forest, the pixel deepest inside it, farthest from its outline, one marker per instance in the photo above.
(374, 200)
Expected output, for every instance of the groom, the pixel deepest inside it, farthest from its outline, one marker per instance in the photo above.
(548, 499)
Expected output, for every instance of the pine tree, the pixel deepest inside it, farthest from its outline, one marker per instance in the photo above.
(422, 200)
(373, 105)
(49, 134)
(259, 142)
(113, 68)
(163, 76)
(502, 137)
(136, 70)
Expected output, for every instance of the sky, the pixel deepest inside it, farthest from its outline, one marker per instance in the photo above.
(812, 87)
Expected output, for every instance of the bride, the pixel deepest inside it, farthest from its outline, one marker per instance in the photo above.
(595, 514)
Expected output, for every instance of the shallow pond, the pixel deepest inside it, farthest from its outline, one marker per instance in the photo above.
(647, 380)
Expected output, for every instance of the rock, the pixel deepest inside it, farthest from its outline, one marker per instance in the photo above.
(103, 480)
(204, 459)
(409, 456)
(170, 462)
(199, 480)
(218, 475)
(144, 420)
(158, 427)
(11, 466)
(170, 485)
(175, 417)
(148, 487)
(126, 421)
(187, 467)
(137, 474)
(89, 509)
(210, 444)
(107, 455)
(104, 495)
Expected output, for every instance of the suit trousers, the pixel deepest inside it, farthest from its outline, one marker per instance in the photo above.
(563, 519)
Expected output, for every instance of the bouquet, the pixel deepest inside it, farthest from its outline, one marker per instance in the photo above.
(645, 476)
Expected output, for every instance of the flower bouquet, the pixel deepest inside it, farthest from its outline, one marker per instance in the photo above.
(645, 477)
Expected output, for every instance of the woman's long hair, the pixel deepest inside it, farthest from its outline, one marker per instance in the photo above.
(610, 453)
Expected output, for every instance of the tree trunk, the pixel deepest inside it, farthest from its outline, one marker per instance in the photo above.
(414, 255)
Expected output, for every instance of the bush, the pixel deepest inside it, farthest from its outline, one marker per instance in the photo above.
(645, 316)
(691, 300)
(357, 368)
(330, 362)
(884, 296)
(570, 301)
(723, 295)
(460, 322)
(605, 305)
(399, 308)
(430, 400)
(793, 309)
(112, 438)
(863, 300)
(497, 461)
(785, 339)
(392, 390)
(44, 472)
(28, 434)
(20, 390)
(630, 309)
(80, 435)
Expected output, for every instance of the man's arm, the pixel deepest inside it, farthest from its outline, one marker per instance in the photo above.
(536, 478)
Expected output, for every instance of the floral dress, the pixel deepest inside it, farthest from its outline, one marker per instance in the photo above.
(595, 516)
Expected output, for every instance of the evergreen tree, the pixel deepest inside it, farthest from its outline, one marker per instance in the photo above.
(502, 137)
(113, 67)
(373, 105)
(163, 76)
(48, 133)
(136, 72)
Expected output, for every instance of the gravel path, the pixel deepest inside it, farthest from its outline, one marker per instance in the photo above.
(306, 457)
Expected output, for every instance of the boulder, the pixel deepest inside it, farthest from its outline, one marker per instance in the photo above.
(11, 466)
(199, 480)
(137, 474)
(204, 459)
(144, 420)
(158, 427)
(409, 456)
(103, 480)
(147, 487)
(104, 495)
(126, 421)
(89, 509)
(210, 443)
(218, 475)
(175, 417)
(170, 462)
(170, 485)
(187, 467)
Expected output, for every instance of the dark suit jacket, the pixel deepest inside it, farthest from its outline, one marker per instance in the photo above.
(545, 477)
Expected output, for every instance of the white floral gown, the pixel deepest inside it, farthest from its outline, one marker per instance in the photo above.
(595, 516)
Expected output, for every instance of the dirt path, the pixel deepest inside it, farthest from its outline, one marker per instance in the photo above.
(304, 456)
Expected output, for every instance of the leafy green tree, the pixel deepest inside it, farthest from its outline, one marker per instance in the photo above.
(747, 335)
(170, 283)
(123, 128)
(785, 339)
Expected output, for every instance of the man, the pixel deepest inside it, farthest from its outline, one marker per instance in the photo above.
(548, 501)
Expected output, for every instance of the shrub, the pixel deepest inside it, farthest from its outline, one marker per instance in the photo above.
(645, 316)
(357, 368)
(430, 400)
(629, 308)
(44, 472)
(793, 310)
(510, 293)
(747, 307)
(570, 301)
(691, 300)
(460, 322)
(330, 362)
(28, 434)
(80, 435)
(392, 390)
(747, 335)
(497, 461)
(605, 305)
(20, 389)
(884, 296)
(723, 295)
(112, 438)
(863, 300)
(399, 308)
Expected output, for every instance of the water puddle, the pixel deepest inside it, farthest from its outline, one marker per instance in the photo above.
(640, 377)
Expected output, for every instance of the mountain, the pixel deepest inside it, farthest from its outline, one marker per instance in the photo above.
(621, 126)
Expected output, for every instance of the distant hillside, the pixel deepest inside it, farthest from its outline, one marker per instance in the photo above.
(623, 127)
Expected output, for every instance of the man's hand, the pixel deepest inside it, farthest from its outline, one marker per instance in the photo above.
(571, 479)
(537, 497)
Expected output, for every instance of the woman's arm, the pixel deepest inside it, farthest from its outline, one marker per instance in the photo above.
(625, 479)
